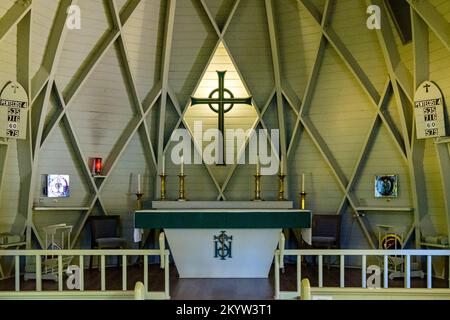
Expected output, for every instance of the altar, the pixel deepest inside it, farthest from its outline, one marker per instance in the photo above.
(223, 239)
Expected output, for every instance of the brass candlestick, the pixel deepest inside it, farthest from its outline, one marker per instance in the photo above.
(181, 196)
(162, 196)
(257, 187)
(139, 200)
(281, 187)
(302, 200)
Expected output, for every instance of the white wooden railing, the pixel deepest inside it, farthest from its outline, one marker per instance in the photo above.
(384, 256)
(81, 293)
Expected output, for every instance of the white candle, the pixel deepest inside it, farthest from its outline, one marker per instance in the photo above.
(182, 165)
(303, 182)
(163, 165)
(139, 183)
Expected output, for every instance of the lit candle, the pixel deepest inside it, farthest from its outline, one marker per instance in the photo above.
(139, 183)
(303, 182)
(182, 165)
(163, 165)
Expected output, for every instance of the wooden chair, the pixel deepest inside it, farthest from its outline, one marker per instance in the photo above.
(326, 232)
(105, 234)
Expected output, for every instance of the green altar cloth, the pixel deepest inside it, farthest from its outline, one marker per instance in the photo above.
(222, 218)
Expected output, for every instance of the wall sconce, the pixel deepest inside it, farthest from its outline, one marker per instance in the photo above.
(97, 166)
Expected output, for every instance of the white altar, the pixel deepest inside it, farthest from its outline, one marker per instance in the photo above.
(223, 239)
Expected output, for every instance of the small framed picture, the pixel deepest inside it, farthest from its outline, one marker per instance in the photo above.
(386, 186)
(58, 186)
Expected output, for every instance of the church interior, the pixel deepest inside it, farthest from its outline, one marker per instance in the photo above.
(224, 149)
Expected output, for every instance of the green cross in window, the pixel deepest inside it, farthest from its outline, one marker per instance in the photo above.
(221, 102)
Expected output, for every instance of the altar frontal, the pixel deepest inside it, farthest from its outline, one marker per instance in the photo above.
(224, 242)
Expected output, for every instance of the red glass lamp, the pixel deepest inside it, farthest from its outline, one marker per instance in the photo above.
(97, 166)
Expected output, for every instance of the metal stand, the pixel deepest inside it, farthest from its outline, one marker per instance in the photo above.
(302, 200)
(139, 200)
(281, 187)
(257, 187)
(181, 196)
(162, 196)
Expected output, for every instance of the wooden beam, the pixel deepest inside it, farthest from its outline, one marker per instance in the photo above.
(38, 82)
(420, 49)
(277, 79)
(41, 77)
(210, 17)
(127, 10)
(289, 94)
(24, 147)
(131, 86)
(53, 49)
(230, 17)
(13, 16)
(352, 64)
(309, 92)
(433, 19)
(443, 157)
(324, 151)
(3, 162)
(340, 48)
(89, 64)
(367, 144)
(312, 10)
(422, 73)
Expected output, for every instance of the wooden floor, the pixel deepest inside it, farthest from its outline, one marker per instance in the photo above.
(223, 289)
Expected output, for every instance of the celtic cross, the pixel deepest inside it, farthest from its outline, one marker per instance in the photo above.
(221, 101)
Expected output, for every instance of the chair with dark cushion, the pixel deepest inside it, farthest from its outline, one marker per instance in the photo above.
(105, 234)
(326, 232)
